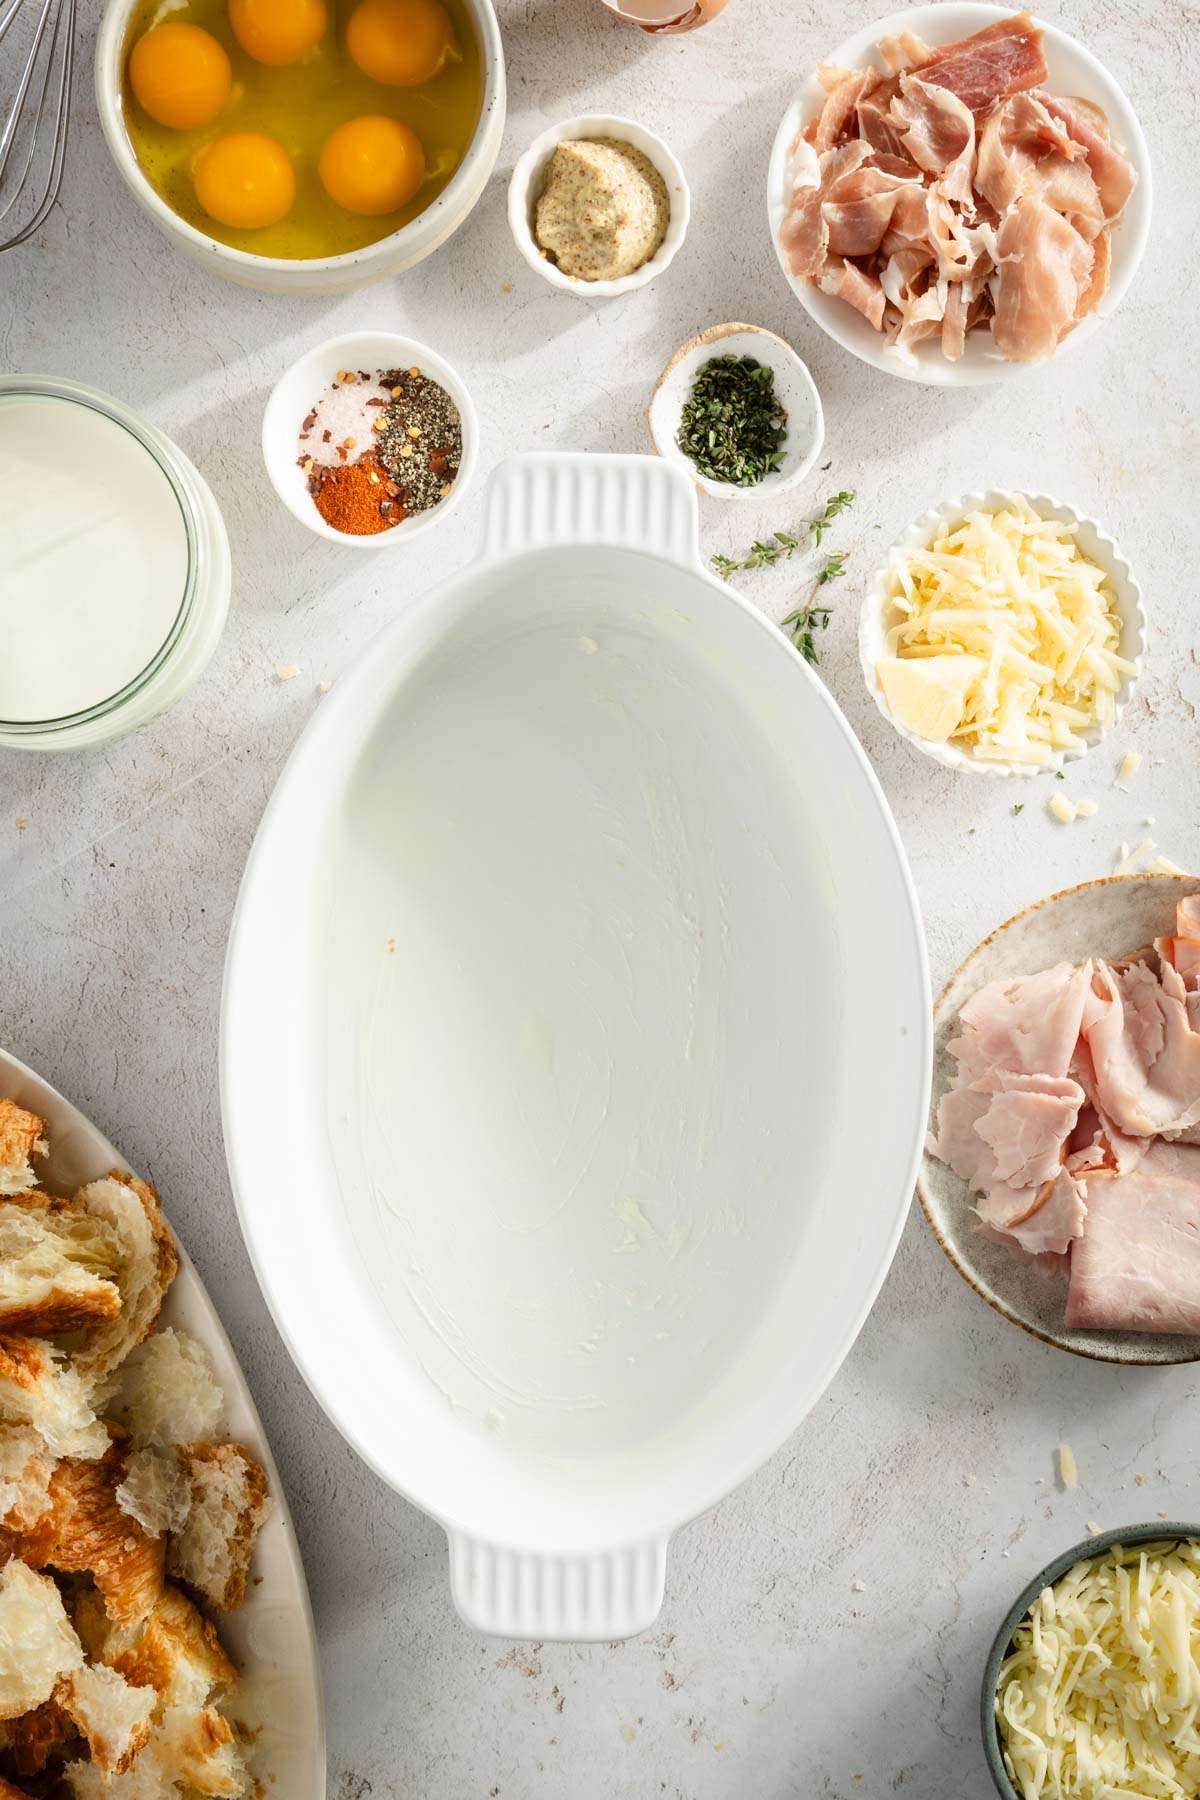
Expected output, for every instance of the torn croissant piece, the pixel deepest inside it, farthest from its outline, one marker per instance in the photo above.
(56, 1269)
(37, 1737)
(22, 1136)
(168, 1392)
(200, 1750)
(111, 1715)
(26, 1465)
(146, 1780)
(9, 1792)
(174, 1650)
(39, 1388)
(155, 1491)
(147, 1265)
(37, 1640)
(228, 1506)
(87, 1533)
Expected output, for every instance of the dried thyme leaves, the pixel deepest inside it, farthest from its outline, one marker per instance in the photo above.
(733, 423)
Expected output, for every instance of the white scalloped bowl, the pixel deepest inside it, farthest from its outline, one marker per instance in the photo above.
(1095, 544)
(529, 178)
(1072, 70)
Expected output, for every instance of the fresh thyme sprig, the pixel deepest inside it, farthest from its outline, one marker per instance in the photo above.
(784, 544)
(801, 624)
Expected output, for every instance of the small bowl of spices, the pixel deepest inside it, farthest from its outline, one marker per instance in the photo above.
(737, 409)
(369, 438)
(598, 205)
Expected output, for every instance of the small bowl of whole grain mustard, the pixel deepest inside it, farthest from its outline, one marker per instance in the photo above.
(598, 205)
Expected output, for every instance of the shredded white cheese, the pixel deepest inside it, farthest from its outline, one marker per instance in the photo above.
(1128, 769)
(1064, 810)
(1087, 809)
(1002, 638)
(1068, 1469)
(1099, 1696)
(1162, 865)
(1130, 858)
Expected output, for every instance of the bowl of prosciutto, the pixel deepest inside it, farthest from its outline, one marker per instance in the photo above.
(959, 192)
(1062, 1169)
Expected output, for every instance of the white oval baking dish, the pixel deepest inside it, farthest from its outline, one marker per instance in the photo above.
(575, 1046)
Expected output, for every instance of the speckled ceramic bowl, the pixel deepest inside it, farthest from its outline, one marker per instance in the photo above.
(794, 385)
(1111, 917)
(1161, 1531)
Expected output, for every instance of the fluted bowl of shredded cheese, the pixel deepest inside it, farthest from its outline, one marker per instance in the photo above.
(1004, 634)
(1092, 1689)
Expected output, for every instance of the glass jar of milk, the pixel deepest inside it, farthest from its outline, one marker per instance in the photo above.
(114, 567)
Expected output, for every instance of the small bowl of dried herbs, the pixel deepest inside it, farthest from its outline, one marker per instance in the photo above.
(738, 410)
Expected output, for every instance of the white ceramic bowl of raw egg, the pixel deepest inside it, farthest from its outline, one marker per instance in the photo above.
(300, 386)
(316, 275)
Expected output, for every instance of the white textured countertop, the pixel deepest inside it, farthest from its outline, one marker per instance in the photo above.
(927, 1471)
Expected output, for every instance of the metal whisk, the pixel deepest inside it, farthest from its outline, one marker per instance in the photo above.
(33, 143)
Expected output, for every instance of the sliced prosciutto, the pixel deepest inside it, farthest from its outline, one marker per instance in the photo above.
(1045, 265)
(948, 192)
(1137, 1265)
(991, 65)
(937, 131)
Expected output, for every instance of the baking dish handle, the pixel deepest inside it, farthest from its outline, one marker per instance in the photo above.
(579, 1599)
(566, 497)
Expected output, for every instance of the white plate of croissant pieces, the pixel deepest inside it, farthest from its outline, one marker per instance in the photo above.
(156, 1639)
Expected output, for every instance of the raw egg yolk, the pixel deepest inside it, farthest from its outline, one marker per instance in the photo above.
(372, 165)
(399, 42)
(181, 75)
(278, 32)
(245, 180)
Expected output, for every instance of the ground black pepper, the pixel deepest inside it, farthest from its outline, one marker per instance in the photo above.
(418, 437)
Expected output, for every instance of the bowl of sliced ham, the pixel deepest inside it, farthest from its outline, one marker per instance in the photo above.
(959, 192)
(1062, 1174)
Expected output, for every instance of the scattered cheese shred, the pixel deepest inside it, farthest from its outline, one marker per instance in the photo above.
(1162, 865)
(1068, 1468)
(1131, 858)
(1099, 1695)
(287, 672)
(1087, 809)
(1002, 638)
(1129, 768)
(1064, 810)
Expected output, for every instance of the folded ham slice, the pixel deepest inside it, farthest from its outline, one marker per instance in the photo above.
(1137, 1265)
(1030, 1024)
(1144, 1047)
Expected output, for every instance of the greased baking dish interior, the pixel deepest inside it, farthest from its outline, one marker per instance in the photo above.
(575, 1046)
